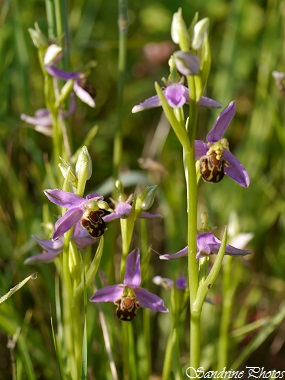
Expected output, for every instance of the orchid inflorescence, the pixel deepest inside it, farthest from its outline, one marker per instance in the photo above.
(85, 220)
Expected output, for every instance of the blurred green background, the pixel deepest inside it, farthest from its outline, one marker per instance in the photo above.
(248, 42)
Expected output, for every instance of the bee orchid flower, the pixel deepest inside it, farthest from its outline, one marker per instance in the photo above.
(83, 90)
(207, 244)
(176, 95)
(52, 248)
(129, 296)
(214, 157)
(88, 211)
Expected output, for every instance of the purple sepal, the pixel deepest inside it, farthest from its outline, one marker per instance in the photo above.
(69, 219)
(133, 269)
(222, 123)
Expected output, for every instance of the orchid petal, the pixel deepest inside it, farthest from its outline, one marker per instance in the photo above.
(148, 215)
(81, 237)
(83, 242)
(204, 101)
(200, 149)
(187, 63)
(83, 95)
(52, 246)
(181, 283)
(69, 219)
(207, 243)
(242, 239)
(59, 73)
(72, 107)
(42, 112)
(95, 196)
(151, 102)
(174, 95)
(230, 250)
(45, 257)
(181, 253)
(233, 251)
(110, 217)
(44, 120)
(222, 122)
(64, 198)
(122, 211)
(133, 270)
(108, 293)
(150, 300)
(208, 102)
(167, 283)
(235, 170)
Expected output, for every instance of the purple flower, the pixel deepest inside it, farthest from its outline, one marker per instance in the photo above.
(129, 296)
(84, 91)
(88, 211)
(207, 243)
(42, 120)
(176, 95)
(52, 248)
(215, 157)
(122, 211)
(167, 283)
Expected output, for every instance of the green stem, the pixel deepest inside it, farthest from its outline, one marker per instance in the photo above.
(62, 30)
(192, 199)
(226, 315)
(125, 352)
(208, 283)
(231, 281)
(122, 58)
(50, 19)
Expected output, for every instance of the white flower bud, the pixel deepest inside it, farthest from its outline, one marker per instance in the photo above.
(38, 37)
(53, 54)
(200, 31)
(84, 163)
(179, 32)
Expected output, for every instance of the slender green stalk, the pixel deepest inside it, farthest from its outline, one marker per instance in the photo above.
(230, 283)
(125, 352)
(122, 58)
(192, 199)
(187, 141)
(62, 30)
(50, 18)
(226, 315)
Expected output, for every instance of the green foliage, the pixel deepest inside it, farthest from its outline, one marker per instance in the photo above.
(247, 44)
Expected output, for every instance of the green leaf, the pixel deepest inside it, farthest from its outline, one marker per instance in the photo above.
(17, 287)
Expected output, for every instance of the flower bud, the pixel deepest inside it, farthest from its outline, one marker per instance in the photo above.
(38, 38)
(67, 172)
(179, 32)
(66, 91)
(146, 198)
(83, 164)
(119, 191)
(199, 33)
(204, 223)
(187, 63)
(53, 54)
